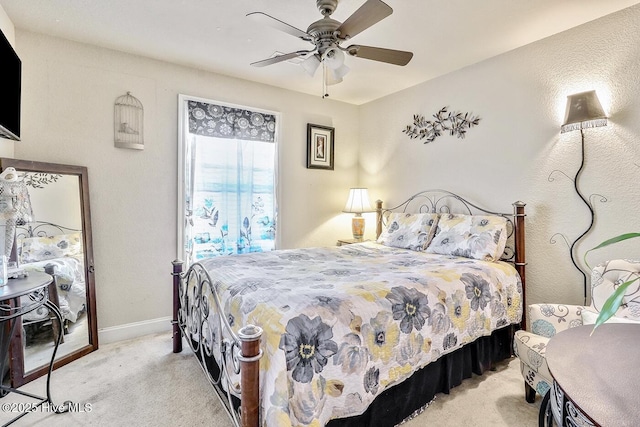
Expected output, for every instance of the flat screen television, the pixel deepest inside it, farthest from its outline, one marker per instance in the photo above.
(10, 90)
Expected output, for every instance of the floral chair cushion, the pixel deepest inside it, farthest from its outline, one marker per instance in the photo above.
(530, 346)
(480, 237)
(33, 249)
(531, 349)
(409, 231)
(549, 319)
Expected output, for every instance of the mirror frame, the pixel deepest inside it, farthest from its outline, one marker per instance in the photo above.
(18, 376)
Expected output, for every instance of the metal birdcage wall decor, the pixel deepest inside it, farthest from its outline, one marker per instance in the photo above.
(129, 122)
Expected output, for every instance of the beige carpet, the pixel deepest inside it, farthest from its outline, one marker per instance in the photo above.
(142, 383)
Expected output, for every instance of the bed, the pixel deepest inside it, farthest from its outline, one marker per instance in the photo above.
(56, 250)
(363, 334)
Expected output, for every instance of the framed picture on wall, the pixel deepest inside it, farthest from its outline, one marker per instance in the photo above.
(320, 143)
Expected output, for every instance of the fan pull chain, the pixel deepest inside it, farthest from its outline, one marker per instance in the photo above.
(325, 89)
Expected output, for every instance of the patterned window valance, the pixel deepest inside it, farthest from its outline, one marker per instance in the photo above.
(227, 122)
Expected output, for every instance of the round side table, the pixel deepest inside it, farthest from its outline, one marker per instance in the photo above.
(35, 287)
(595, 377)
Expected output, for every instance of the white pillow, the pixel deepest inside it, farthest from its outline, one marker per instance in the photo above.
(589, 318)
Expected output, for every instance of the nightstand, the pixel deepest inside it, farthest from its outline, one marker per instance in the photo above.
(11, 310)
(342, 242)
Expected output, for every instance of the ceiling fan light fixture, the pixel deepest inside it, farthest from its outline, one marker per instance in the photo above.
(311, 64)
(334, 58)
(341, 71)
(326, 34)
(332, 78)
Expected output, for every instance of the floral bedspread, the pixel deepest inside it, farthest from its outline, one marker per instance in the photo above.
(343, 324)
(69, 272)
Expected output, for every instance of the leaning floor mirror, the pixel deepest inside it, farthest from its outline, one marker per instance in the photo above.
(58, 241)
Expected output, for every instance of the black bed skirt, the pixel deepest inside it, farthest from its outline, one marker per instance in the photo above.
(402, 400)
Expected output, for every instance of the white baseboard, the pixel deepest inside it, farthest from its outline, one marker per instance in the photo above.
(134, 330)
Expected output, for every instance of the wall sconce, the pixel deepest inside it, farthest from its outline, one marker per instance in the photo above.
(358, 203)
(128, 120)
(583, 111)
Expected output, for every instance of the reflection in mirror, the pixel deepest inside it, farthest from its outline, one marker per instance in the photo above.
(58, 242)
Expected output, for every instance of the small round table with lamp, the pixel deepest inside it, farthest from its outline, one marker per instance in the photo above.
(11, 310)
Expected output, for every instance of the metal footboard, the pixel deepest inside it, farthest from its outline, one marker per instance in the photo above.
(198, 315)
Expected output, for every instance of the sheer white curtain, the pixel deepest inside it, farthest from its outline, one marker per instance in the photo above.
(230, 181)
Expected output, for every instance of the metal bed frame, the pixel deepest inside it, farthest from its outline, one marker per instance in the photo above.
(241, 351)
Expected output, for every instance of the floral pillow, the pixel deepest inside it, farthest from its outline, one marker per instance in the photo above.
(471, 236)
(33, 249)
(589, 318)
(409, 231)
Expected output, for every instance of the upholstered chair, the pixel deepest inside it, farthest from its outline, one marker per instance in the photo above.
(546, 320)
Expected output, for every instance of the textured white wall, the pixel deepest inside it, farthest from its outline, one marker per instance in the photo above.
(69, 90)
(68, 94)
(520, 97)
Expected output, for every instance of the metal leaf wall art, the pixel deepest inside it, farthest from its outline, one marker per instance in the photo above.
(40, 179)
(455, 123)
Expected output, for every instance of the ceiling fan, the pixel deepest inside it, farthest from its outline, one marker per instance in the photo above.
(326, 34)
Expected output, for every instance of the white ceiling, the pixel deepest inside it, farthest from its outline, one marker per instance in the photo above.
(215, 35)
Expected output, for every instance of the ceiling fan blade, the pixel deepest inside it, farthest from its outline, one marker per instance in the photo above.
(280, 58)
(371, 12)
(391, 56)
(270, 21)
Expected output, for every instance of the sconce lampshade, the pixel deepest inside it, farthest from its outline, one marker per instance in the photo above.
(583, 111)
(358, 203)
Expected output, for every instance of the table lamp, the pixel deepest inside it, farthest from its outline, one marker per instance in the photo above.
(358, 203)
(15, 208)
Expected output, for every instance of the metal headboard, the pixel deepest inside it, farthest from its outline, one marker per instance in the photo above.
(42, 229)
(443, 201)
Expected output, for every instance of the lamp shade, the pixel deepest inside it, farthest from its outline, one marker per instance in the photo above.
(15, 203)
(311, 64)
(15, 208)
(335, 76)
(358, 201)
(583, 111)
(334, 58)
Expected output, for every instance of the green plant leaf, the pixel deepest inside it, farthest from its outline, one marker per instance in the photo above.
(612, 304)
(608, 242)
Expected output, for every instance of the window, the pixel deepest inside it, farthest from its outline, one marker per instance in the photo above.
(228, 179)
